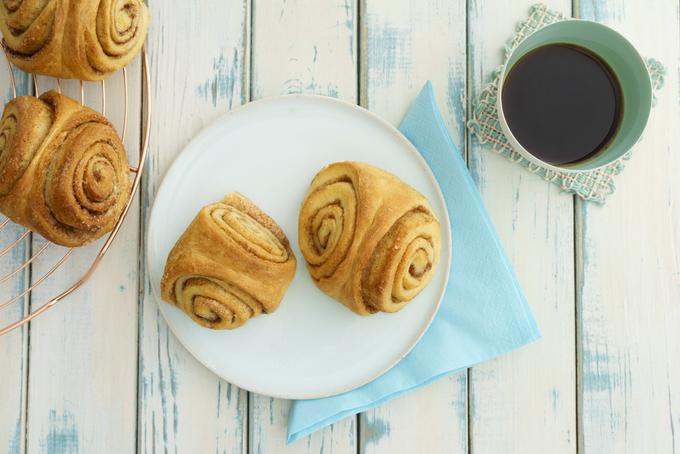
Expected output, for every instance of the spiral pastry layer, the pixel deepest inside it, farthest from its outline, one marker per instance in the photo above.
(370, 241)
(63, 169)
(232, 263)
(73, 39)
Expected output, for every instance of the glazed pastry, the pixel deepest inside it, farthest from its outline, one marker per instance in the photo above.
(73, 39)
(63, 169)
(371, 241)
(232, 263)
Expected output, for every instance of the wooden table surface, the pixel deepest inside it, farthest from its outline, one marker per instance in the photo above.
(101, 373)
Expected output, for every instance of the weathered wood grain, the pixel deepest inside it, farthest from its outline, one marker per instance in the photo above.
(80, 351)
(612, 309)
(13, 346)
(404, 44)
(301, 46)
(525, 400)
(197, 70)
(629, 265)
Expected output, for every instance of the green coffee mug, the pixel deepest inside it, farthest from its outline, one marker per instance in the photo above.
(625, 62)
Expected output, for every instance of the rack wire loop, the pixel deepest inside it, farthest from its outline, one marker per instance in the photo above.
(137, 171)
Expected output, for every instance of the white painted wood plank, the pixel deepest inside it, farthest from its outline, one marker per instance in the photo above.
(82, 358)
(13, 346)
(197, 72)
(301, 46)
(404, 44)
(428, 420)
(526, 399)
(629, 265)
(304, 46)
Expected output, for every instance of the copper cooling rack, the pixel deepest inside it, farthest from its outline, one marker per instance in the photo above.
(12, 239)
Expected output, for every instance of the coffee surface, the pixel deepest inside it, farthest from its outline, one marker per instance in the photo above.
(562, 103)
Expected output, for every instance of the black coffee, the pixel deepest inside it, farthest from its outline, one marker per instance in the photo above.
(562, 103)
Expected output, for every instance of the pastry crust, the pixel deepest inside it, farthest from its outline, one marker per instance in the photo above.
(232, 263)
(371, 241)
(63, 169)
(73, 39)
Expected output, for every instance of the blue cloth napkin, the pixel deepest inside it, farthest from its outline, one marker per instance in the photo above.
(484, 312)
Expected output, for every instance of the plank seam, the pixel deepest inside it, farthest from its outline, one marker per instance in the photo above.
(247, 96)
(468, 84)
(578, 283)
(28, 301)
(670, 403)
(466, 155)
(27, 308)
(141, 274)
(248, 51)
(360, 100)
(578, 326)
(361, 54)
(578, 322)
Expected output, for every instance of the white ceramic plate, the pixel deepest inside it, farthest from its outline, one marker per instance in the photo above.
(269, 151)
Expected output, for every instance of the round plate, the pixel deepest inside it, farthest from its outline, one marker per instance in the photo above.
(269, 151)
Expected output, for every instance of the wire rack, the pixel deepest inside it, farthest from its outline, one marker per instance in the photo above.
(11, 240)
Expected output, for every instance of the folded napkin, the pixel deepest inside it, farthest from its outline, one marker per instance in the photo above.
(484, 312)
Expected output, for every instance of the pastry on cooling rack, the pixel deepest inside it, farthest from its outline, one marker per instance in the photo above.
(84, 39)
(232, 263)
(371, 241)
(63, 169)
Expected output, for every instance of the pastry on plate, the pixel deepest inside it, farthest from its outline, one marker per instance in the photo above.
(73, 39)
(63, 169)
(370, 241)
(232, 263)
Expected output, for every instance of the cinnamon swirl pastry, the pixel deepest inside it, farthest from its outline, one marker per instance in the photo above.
(63, 169)
(73, 39)
(232, 263)
(371, 241)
